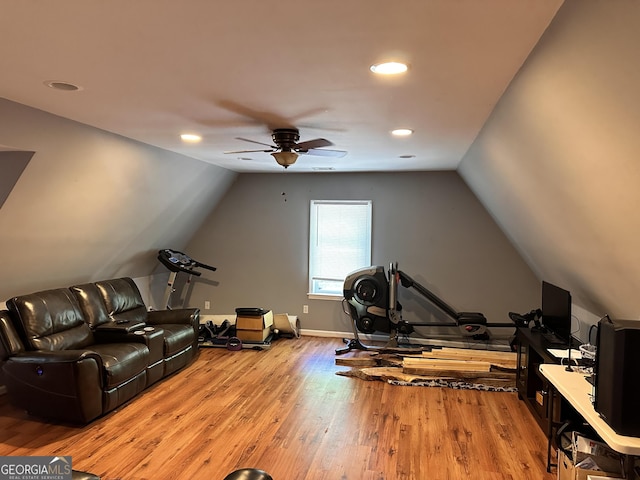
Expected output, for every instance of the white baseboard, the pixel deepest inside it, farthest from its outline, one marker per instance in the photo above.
(324, 333)
(496, 343)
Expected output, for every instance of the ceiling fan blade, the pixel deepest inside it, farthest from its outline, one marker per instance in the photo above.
(314, 126)
(315, 143)
(250, 151)
(259, 143)
(269, 119)
(325, 153)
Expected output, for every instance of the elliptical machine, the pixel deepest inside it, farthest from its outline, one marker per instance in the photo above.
(178, 262)
(371, 298)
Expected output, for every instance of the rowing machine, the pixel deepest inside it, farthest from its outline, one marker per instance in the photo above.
(371, 301)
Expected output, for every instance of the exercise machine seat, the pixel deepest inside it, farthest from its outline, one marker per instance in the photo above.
(471, 318)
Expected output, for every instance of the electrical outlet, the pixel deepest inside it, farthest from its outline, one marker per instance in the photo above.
(207, 305)
(305, 309)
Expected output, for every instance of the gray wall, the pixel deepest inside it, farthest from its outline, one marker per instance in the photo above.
(430, 223)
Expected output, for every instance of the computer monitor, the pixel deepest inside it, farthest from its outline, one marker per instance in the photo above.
(556, 311)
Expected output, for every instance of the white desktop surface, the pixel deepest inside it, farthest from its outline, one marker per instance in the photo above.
(574, 387)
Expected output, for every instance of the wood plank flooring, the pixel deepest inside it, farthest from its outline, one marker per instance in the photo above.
(284, 410)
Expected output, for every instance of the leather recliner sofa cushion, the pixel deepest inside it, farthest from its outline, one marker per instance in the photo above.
(98, 314)
(177, 338)
(123, 300)
(121, 361)
(50, 320)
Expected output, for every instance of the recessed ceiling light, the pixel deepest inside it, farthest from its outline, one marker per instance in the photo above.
(389, 68)
(190, 137)
(401, 132)
(64, 86)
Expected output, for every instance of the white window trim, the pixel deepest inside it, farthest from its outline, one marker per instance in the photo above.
(325, 296)
(337, 296)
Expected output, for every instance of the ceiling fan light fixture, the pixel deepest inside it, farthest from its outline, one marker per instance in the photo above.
(285, 158)
(389, 68)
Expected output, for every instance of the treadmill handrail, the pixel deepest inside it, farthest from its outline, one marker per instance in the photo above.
(182, 263)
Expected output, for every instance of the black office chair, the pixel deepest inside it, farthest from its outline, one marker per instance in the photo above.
(248, 474)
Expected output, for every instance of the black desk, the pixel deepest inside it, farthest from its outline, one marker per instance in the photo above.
(533, 387)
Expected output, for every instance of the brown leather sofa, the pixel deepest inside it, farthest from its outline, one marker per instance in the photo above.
(75, 354)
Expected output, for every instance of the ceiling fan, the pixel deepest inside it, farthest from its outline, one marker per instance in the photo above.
(287, 148)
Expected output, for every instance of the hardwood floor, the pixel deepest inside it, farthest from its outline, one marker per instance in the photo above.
(284, 410)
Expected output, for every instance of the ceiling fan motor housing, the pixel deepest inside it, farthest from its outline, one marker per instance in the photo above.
(285, 138)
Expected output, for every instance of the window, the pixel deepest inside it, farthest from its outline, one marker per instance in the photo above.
(339, 243)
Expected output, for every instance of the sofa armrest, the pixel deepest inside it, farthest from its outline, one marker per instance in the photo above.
(118, 332)
(186, 316)
(65, 385)
(10, 343)
(55, 357)
(122, 327)
(119, 336)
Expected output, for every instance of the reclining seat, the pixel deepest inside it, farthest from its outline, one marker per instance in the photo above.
(128, 326)
(119, 300)
(60, 371)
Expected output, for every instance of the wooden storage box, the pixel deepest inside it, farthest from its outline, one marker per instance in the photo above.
(254, 328)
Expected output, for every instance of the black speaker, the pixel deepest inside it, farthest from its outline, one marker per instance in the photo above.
(617, 375)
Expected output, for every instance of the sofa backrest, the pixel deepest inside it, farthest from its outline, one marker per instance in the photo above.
(110, 301)
(92, 304)
(50, 320)
(123, 300)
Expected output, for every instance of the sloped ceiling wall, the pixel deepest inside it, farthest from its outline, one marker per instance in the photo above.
(12, 164)
(92, 205)
(558, 163)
